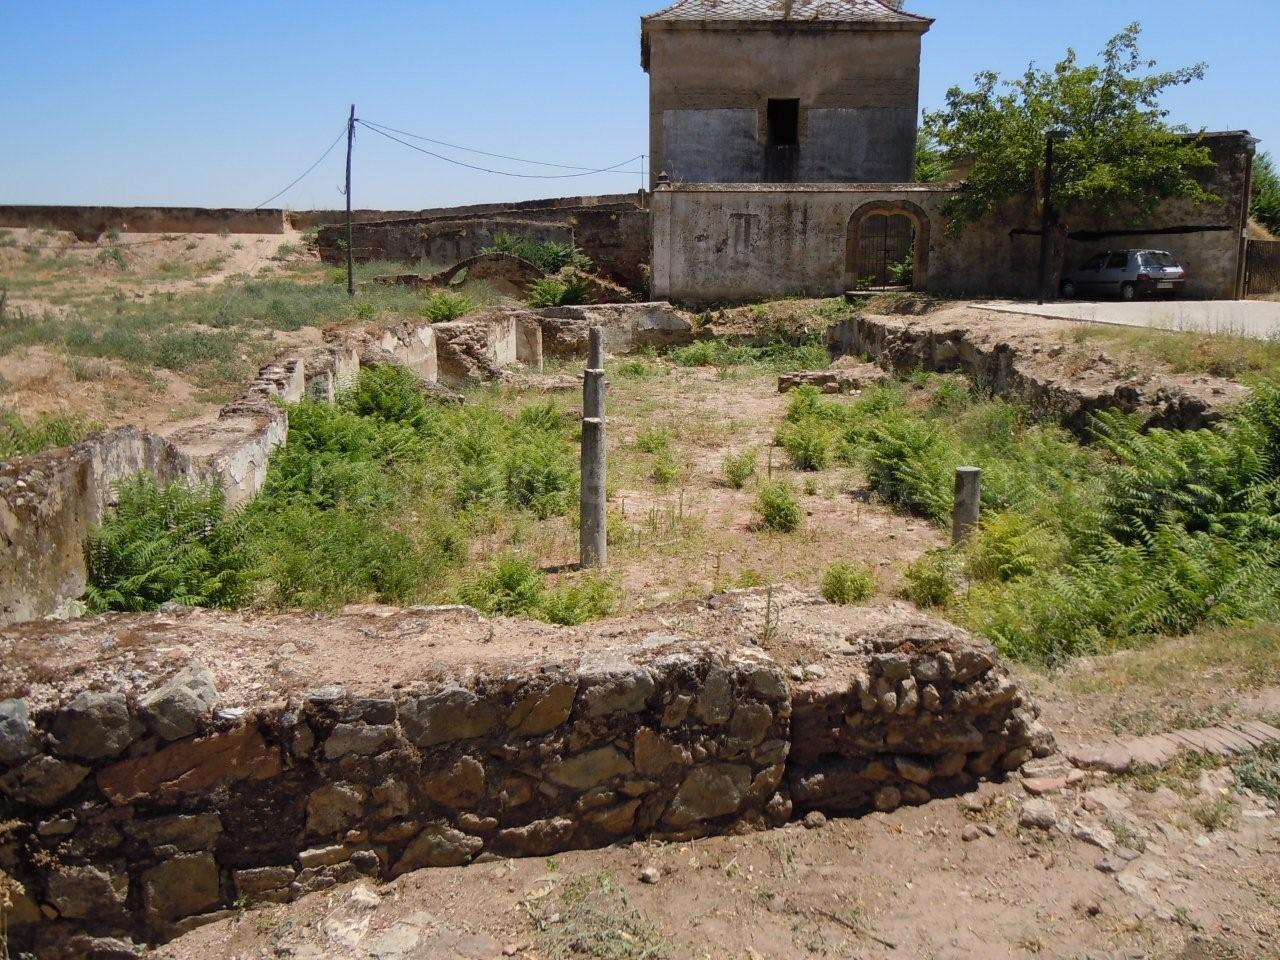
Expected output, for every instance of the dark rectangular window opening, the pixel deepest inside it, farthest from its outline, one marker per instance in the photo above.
(784, 123)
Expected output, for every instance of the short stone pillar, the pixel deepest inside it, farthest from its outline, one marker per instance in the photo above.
(593, 534)
(968, 503)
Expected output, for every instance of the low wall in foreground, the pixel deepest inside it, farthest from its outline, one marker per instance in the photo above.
(142, 812)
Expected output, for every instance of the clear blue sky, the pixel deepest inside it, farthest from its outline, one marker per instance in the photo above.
(223, 103)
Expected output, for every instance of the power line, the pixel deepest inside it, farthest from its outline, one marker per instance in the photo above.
(497, 156)
(328, 151)
(506, 173)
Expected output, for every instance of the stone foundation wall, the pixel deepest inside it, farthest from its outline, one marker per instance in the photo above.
(915, 721)
(902, 346)
(140, 808)
(143, 814)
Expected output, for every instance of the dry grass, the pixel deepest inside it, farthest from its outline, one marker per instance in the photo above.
(1178, 683)
(1219, 354)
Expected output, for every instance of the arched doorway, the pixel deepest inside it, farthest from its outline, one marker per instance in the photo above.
(888, 246)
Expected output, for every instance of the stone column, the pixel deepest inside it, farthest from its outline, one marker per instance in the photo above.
(592, 527)
(968, 503)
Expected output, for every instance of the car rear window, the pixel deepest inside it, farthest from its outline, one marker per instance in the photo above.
(1158, 258)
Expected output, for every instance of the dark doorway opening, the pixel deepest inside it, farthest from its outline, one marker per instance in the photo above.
(784, 123)
(886, 251)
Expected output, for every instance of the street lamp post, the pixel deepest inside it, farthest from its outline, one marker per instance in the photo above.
(1047, 214)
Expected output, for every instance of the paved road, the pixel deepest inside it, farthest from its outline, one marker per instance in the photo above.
(1259, 319)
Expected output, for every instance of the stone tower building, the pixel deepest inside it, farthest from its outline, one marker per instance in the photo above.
(783, 91)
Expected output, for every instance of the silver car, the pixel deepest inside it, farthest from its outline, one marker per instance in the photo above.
(1128, 274)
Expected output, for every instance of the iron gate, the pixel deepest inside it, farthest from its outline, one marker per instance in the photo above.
(885, 241)
(1262, 268)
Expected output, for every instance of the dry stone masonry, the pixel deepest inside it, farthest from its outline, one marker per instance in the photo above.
(139, 810)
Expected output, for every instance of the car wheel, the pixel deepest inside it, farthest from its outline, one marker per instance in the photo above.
(1068, 289)
(1128, 292)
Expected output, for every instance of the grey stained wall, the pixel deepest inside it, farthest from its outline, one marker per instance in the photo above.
(738, 242)
(710, 88)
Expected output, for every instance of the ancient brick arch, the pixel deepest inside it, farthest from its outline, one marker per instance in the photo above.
(861, 221)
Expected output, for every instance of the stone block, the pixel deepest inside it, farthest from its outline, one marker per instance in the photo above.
(591, 768)
(88, 893)
(610, 683)
(42, 781)
(182, 887)
(17, 739)
(360, 739)
(707, 793)
(543, 711)
(454, 713)
(190, 766)
(188, 833)
(460, 787)
(183, 705)
(94, 726)
(438, 845)
(334, 807)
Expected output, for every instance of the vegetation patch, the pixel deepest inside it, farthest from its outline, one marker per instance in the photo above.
(1082, 549)
(549, 256)
(22, 437)
(377, 497)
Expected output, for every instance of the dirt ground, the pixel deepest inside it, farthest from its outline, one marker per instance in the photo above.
(48, 271)
(695, 535)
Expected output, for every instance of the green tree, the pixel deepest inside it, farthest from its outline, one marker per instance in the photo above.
(931, 162)
(1119, 149)
(1265, 204)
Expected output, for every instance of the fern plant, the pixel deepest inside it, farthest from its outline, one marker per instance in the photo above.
(173, 544)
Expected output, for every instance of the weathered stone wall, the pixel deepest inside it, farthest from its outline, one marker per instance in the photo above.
(135, 815)
(710, 84)
(89, 223)
(738, 242)
(614, 232)
(906, 344)
(141, 808)
(627, 327)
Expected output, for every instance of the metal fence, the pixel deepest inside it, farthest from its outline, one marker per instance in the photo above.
(1262, 268)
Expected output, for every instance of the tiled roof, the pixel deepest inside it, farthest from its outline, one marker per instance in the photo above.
(831, 11)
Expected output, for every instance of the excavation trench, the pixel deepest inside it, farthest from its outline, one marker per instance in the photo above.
(1041, 381)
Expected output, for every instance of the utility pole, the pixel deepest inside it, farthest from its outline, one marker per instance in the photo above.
(1047, 217)
(351, 265)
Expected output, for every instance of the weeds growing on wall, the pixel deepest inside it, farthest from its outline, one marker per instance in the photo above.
(376, 497)
(549, 256)
(1082, 549)
(22, 437)
(443, 306)
(564, 290)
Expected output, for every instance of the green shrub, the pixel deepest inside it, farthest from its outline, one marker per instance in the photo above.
(930, 580)
(770, 355)
(548, 256)
(541, 477)
(175, 544)
(577, 603)
(779, 507)
(444, 306)
(910, 464)
(848, 583)
(666, 468)
(22, 438)
(808, 444)
(636, 369)
(739, 468)
(559, 291)
(654, 440)
(510, 586)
